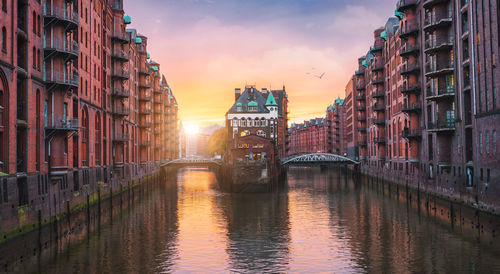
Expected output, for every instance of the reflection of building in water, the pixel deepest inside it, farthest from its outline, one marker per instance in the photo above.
(258, 231)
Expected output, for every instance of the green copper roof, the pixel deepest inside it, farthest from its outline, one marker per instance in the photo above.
(138, 40)
(364, 63)
(127, 19)
(252, 104)
(398, 14)
(238, 104)
(339, 101)
(270, 100)
(384, 35)
(148, 56)
(155, 68)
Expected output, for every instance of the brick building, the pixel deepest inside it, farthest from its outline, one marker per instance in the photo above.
(82, 107)
(323, 135)
(261, 113)
(428, 87)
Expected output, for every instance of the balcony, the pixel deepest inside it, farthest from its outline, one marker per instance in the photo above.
(361, 119)
(411, 133)
(408, 50)
(408, 30)
(145, 97)
(379, 140)
(432, 46)
(378, 94)
(404, 5)
(361, 97)
(121, 92)
(377, 48)
(62, 124)
(141, 49)
(361, 85)
(146, 143)
(65, 47)
(158, 90)
(411, 107)
(378, 107)
(362, 129)
(438, 21)
(121, 111)
(145, 84)
(120, 36)
(447, 92)
(361, 108)
(377, 66)
(158, 111)
(145, 111)
(379, 122)
(378, 80)
(442, 126)
(121, 138)
(146, 124)
(59, 78)
(410, 68)
(120, 73)
(61, 15)
(143, 70)
(436, 70)
(430, 3)
(120, 55)
(411, 88)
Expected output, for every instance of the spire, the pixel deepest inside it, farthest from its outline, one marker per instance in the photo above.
(270, 100)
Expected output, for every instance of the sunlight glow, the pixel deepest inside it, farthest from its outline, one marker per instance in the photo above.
(191, 128)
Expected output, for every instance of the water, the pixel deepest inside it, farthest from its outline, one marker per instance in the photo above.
(321, 222)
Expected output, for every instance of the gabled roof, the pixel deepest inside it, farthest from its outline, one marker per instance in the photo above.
(250, 95)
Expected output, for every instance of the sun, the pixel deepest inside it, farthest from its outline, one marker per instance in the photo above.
(191, 128)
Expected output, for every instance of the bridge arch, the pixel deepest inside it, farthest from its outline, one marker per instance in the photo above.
(312, 158)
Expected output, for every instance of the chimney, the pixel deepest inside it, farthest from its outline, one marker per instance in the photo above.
(237, 93)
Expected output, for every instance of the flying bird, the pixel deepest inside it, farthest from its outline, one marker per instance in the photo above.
(321, 76)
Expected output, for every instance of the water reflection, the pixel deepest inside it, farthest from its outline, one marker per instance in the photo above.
(324, 221)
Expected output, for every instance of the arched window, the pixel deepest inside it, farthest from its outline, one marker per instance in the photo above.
(4, 5)
(39, 57)
(34, 22)
(39, 21)
(85, 137)
(97, 140)
(34, 58)
(261, 133)
(4, 39)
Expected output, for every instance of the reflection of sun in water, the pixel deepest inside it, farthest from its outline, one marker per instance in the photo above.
(191, 128)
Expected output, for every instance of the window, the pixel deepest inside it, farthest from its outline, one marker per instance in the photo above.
(34, 58)
(4, 5)
(34, 23)
(4, 39)
(481, 143)
(486, 143)
(494, 142)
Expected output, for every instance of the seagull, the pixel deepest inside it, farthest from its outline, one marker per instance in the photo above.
(321, 76)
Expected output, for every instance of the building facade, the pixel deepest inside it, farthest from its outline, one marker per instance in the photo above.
(429, 89)
(321, 135)
(255, 113)
(77, 111)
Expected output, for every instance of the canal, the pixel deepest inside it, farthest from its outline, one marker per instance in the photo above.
(323, 220)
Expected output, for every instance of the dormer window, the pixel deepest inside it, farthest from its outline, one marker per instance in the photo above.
(252, 106)
(239, 107)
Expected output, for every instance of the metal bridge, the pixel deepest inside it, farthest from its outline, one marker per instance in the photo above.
(194, 162)
(317, 158)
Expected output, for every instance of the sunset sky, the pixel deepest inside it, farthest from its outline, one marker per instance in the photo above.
(207, 48)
